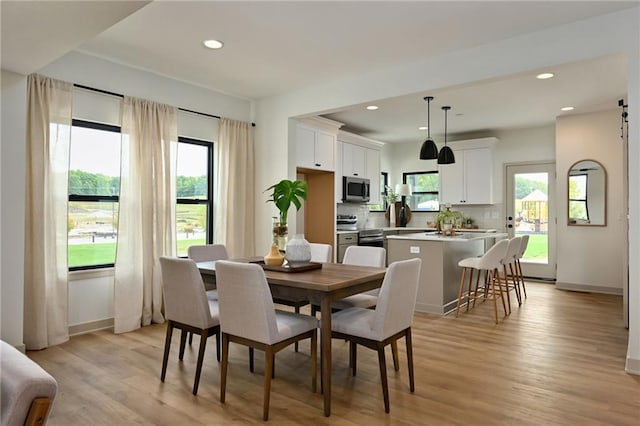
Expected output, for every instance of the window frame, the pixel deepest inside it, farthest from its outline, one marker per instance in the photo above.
(586, 194)
(383, 192)
(413, 192)
(92, 198)
(210, 186)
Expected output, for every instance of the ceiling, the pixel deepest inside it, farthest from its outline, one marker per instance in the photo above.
(276, 47)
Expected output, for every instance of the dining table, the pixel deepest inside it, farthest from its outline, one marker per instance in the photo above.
(321, 286)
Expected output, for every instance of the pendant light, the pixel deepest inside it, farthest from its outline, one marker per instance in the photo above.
(429, 150)
(446, 154)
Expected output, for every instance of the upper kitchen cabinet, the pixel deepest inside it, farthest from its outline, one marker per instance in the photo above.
(358, 157)
(316, 144)
(470, 179)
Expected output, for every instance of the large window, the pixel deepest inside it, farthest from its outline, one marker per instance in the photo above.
(194, 190)
(425, 190)
(94, 187)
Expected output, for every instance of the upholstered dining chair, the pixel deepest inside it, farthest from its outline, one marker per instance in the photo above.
(188, 309)
(360, 256)
(388, 322)
(490, 263)
(321, 253)
(248, 317)
(206, 253)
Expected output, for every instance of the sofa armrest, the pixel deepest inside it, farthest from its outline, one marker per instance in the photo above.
(27, 391)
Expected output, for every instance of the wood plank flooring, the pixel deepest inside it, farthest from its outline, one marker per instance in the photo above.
(556, 360)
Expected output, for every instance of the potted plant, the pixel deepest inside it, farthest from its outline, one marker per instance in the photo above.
(285, 193)
(390, 198)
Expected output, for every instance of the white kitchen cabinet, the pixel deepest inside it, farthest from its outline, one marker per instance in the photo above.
(354, 160)
(315, 148)
(469, 180)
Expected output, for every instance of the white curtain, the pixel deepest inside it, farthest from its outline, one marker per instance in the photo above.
(235, 188)
(146, 223)
(45, 257)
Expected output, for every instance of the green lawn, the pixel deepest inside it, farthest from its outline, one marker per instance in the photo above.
(105, 253)
(537, 247)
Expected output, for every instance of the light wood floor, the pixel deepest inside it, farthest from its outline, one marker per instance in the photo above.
(558, 359)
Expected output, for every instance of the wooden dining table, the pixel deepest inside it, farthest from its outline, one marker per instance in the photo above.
(331, 282)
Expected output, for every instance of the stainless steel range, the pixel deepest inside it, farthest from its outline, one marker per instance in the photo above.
(371, 237)
(346, 222)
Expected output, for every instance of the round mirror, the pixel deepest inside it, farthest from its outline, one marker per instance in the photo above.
(587, 195)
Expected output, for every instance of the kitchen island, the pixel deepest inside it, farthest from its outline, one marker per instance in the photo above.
(440, 254)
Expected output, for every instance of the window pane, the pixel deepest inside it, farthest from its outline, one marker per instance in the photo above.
(92, 231)
(578, 210)
(191, 220)
(428, 202)
(192, 171)
(94, 162)
(424, 182)
(578, 187)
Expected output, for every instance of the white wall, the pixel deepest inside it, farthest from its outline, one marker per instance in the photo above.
(591, 38)
(590, 256)
(12, 202)
(90, 296)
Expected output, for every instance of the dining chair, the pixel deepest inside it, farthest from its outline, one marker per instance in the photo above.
(490, 263)
(188, 309)
(321, 253)
(388, 322)
(206, 253)
(523, 248)
(360, 256)
(248, 317)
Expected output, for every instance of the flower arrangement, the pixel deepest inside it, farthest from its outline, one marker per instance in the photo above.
(390, 197)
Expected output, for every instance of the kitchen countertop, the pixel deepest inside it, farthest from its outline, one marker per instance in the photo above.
(460, 236)
(416, 229)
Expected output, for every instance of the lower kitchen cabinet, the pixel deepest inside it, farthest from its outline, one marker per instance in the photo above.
(345, 240)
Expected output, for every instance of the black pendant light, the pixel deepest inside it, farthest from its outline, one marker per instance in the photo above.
(429, 150)
(446, 154)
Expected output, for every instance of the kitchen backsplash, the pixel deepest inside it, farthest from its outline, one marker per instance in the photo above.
(486, 217)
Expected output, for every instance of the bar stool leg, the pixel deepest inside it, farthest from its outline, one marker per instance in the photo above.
(460, 291)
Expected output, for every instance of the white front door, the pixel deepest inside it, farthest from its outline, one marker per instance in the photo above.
(530, 208)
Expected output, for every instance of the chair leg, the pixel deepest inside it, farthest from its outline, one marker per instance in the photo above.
(504, 306)
(218, 345)
(492, 282)
(203, 345)
(516, 281)
(225, 362)
(506, 285)
(383, 377)
(353, 357)
(407, 338)
(519, 268)
(268, 371)
(183, 342)
(470, 291)
(296, 309)
(273, 365)
(167, 347)
(394, 355)
(460, 291)
(314, 361)
(251, 359)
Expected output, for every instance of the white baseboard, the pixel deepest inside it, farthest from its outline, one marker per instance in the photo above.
(89, 327)
(585, 288)
(633, 366)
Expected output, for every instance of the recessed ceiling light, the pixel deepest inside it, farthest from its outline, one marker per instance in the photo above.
(372, 107)
(423, 128)
(213, 44)
(545, 75)
(567, 108)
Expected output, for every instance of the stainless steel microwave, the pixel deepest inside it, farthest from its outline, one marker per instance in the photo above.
(355, 190)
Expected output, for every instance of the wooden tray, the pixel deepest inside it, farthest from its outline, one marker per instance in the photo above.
(290, 268)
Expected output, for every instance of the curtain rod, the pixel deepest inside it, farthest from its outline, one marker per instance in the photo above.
(106, 92)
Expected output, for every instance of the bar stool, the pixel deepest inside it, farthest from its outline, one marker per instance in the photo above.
(510, 259)
(523, 248)
(490, 263)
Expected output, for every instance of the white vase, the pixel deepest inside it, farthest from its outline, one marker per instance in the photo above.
(392, 216)
(298, 250)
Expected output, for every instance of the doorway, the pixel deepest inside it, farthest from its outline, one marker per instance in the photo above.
(530, 207)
